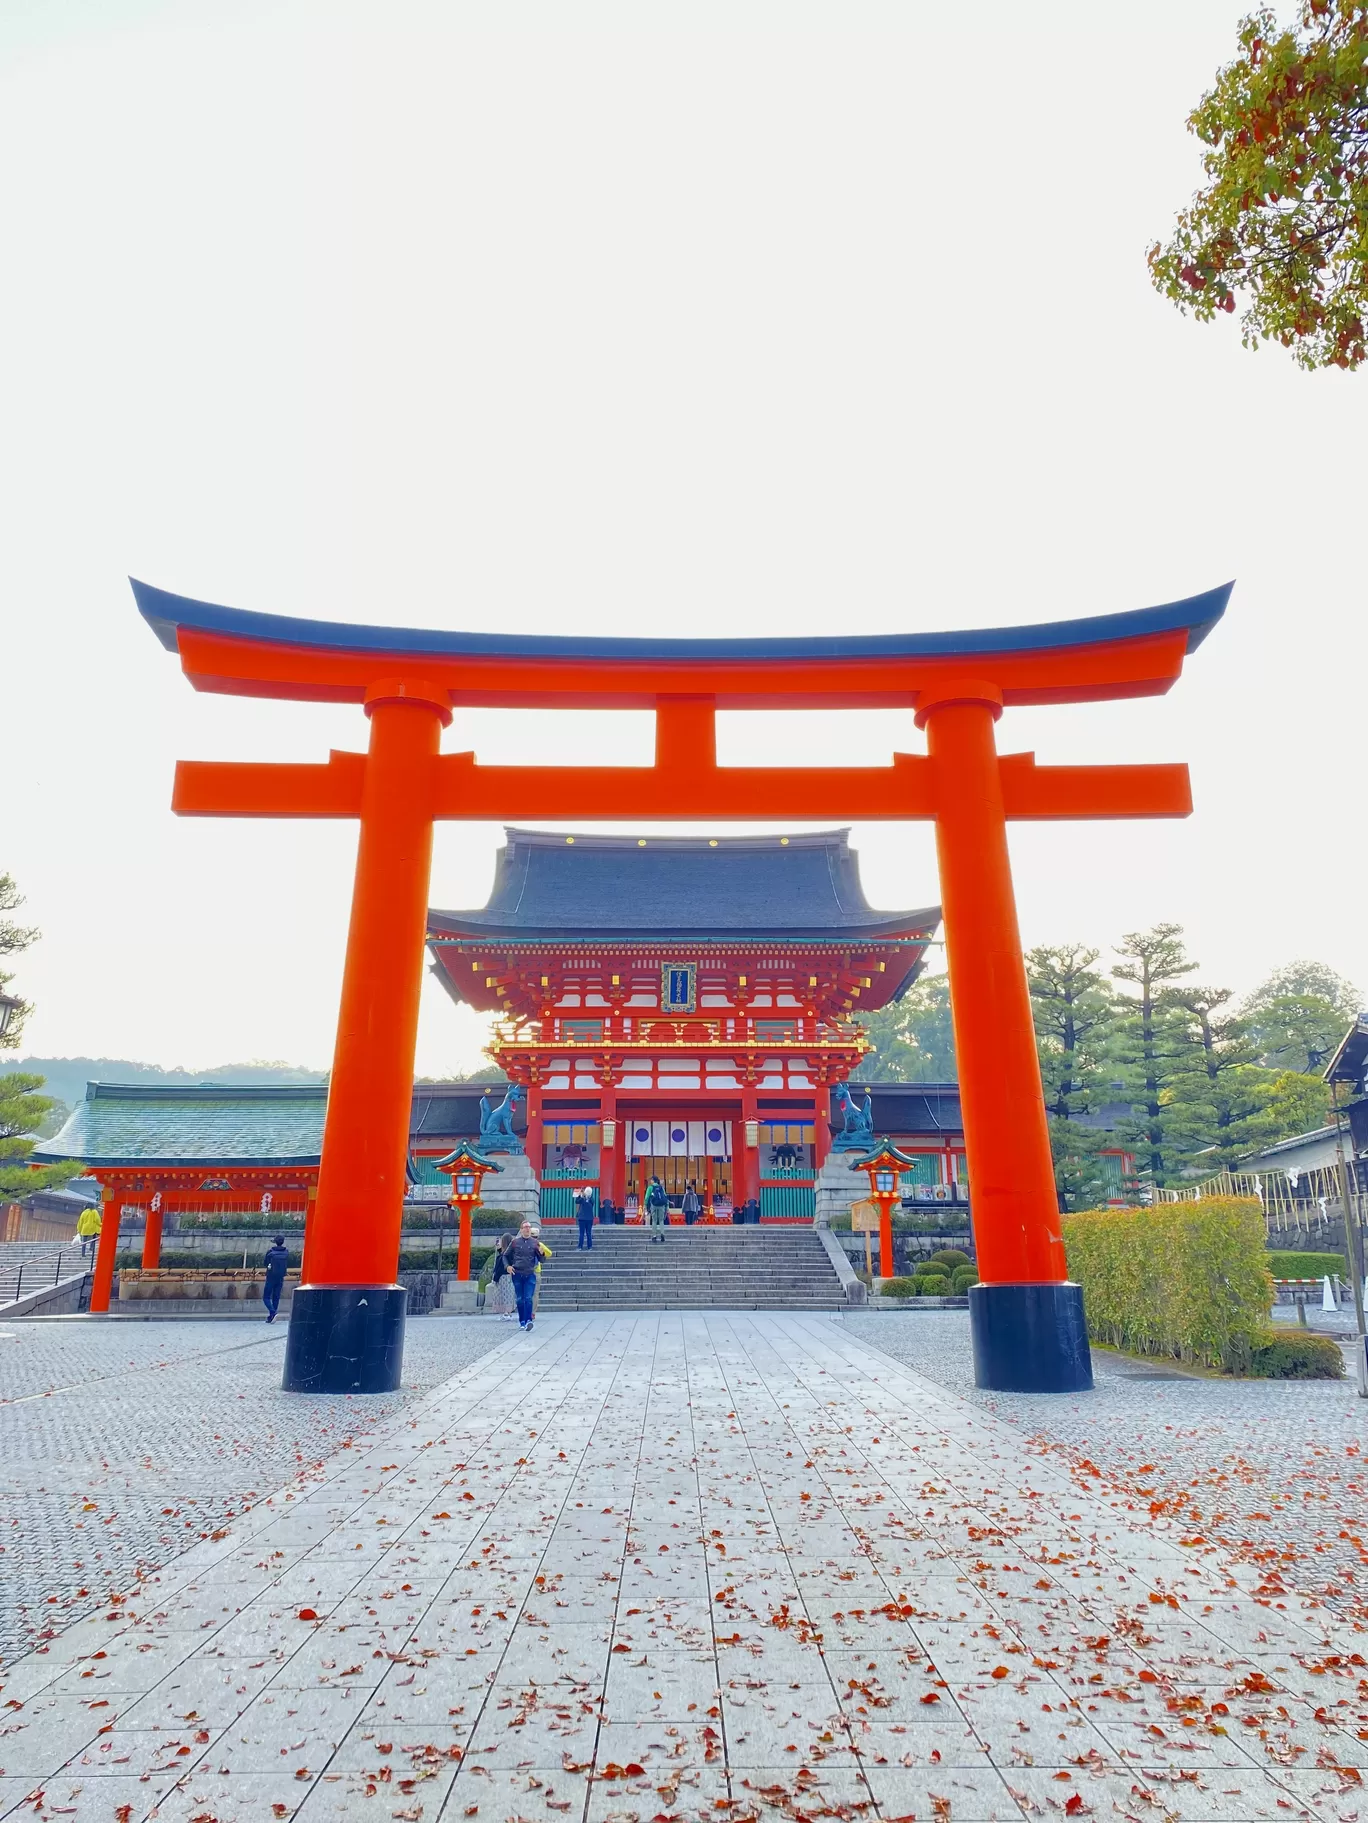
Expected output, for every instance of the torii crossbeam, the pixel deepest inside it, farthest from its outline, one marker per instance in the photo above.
(346, 1325)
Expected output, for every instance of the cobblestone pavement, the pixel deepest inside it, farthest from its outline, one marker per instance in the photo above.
(1271, 1470)
(121, 1444)
(653, 1568)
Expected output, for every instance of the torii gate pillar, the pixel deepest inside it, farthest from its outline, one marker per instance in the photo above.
(347, 1320)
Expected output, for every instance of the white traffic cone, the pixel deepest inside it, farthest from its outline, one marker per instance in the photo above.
(1328, 1299)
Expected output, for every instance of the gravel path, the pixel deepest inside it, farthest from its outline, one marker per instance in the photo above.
(1271, 1470)
(123, 1444)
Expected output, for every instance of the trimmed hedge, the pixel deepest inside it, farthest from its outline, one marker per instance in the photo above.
(1300, 1355)
(1189, 1280)
(1290, 1265)
(898, 1288)
(950, 1258)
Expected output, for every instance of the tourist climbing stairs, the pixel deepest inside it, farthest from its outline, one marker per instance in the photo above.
(701, 1268)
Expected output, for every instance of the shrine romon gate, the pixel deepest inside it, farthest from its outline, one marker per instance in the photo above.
(347, 1323)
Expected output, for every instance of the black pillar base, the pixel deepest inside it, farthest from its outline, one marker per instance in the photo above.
(1030, 1338)
(345, 1339)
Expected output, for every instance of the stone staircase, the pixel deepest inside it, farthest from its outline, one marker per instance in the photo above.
(722, 1268)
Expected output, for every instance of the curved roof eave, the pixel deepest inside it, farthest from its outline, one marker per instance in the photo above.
(166, 614)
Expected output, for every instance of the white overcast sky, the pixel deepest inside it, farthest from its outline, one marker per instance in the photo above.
(666, 316)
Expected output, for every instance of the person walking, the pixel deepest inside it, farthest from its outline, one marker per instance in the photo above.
(500, 1301)
(657, 1204)
(693, 1205)
(277, 1263)
(88, 1225)
(584, 1218)
(525, 1254)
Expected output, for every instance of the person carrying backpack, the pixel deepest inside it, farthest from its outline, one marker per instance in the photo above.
(525, 1254)
(657, 1204)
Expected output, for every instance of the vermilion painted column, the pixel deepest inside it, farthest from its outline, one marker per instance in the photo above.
(102, 1282)
(152, 1239)
(1027, 1319)
(347, 1318)
(749, 1154)
(609, 1174)
(465, 1208)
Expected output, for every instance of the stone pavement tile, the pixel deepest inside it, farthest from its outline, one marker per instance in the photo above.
(561, 1655)
(662, 1746)
(666, 1685)
(535, 1796)
(284, 1730)
(211, 1689)
(1155, 1745)
(544, 1731)
(47, 1732)
(82, 1798)
(13, 1791)
(1225, 1793)
(1331, 1793)
(949, 1742)
(356, 1659)
(134, 1751)
(787, 1791)
(686, 1793)
(244, 1797)
(342, 1797)
(893, 1685)
(962, 1794)
(407, 1701)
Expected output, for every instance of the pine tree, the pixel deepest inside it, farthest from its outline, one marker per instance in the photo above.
(1152, 1045)
(13, 938)
(22, 1110)
(914, 1038)
(1299, 1014)
(1075, 1012)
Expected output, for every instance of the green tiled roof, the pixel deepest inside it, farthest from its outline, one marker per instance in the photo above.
(214, 1123)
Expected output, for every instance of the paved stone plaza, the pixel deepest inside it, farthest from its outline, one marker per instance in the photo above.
(661, 1567)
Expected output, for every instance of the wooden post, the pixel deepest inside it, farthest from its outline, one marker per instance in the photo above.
(102, 1284)
(1024, 1313)
(347, 1322)
(152, 1235)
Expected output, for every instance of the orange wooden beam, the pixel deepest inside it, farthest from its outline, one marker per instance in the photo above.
(683, 787)
(226, 664)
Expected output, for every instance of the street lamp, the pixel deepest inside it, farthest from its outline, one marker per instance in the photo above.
(10, 1008)
(885, 1164)
(466, 1167)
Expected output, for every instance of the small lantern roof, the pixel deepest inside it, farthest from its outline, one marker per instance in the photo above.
(883, 1152)
(466, 1157)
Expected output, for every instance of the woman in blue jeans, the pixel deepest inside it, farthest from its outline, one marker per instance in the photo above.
(524, 1255)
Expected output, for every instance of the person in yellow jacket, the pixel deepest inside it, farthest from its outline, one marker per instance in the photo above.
(88, 1225)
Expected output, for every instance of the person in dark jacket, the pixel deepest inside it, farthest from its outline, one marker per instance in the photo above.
(276, 1262)
(693, 1205)
(524, 1255)
(584, 1217)
(657, 1204)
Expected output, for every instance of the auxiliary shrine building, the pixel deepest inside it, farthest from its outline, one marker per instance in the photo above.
(684, 1007)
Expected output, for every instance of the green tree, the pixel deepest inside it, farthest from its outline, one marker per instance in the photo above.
(22, 1112)
(913, 1039)
(1151, 1041)
(1075, 1011)
(1312, 980)
(13, 938)
(1283, 217)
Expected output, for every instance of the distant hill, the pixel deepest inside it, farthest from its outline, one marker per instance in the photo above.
(66, 1077)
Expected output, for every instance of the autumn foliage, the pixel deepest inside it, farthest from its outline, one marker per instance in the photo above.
(1283, 218)
(1189, 1280)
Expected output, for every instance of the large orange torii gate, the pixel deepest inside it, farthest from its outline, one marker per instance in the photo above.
(347, 1322)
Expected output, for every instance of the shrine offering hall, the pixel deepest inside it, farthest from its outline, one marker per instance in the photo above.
(681, 1008)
